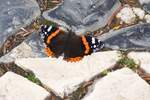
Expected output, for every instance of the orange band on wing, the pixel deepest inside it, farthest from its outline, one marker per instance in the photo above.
(52, 35)
(86, 44)
(75, 59)
(49, 52)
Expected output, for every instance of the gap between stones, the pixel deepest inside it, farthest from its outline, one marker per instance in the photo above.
(124, 61)
(26, 74)
(15, 39)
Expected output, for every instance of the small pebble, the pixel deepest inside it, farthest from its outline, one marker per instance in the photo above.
(147, 18)
(127, 15)
(139, 12)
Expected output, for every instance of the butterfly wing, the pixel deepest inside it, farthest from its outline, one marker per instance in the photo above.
(95, 44)
(58, 43)
(73, 47)
(54, 40)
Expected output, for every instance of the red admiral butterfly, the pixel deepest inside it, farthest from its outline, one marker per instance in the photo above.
(68, 44)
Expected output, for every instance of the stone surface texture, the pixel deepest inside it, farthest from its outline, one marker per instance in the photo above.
(146, 5)
(147, 18)
(122, 84)
(139, 12)
(127, 15)
(15, 14)
(144, 1)
(65, 77)
(130, 15)
(16, 87)
(141, 58)
(83, 15)
(32, 47)
(132, 37)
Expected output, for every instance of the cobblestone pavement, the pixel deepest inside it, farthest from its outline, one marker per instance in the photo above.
(119, 72)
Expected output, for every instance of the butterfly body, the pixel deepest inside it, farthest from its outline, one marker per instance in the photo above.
(68, 44)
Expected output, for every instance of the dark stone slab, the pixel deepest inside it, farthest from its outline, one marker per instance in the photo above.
(133, 37)
(146, 5)
(83, 15)
(36, 44)
(15, 14)
(32, 47)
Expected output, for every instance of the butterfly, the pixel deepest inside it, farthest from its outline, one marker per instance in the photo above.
(67, 44)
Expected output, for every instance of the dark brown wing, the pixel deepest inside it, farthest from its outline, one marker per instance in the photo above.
(74, 47)
(57, 44)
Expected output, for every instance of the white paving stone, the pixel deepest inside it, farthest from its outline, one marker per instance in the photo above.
(141, 58)
(16, 87)
(122, 84)
(64, 77)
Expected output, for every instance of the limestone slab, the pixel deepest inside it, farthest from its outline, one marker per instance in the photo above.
(122, 84)
(64, 77)
(16, 87)
(141, 58)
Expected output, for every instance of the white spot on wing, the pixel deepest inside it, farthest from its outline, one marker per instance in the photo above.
(99, 41)
(93, 40)
(49, 28)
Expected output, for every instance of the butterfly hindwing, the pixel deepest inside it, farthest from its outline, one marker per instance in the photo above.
(74, 47)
